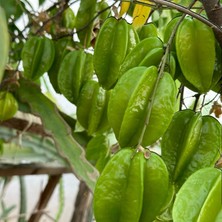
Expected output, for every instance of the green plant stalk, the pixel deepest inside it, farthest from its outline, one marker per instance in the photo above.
(23, 199)
(5, 211)
(61, 200)
(197, 97)
(161, 73)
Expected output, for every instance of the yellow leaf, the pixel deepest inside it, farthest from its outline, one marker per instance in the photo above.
(124, 8)
(141, 14)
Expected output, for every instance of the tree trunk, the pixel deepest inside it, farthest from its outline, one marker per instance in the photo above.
(83, 205)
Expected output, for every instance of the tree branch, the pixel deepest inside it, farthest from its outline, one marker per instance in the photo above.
(32, 169)
(21, 125)
(210, 8)
(83, 204)
(45, 197)
(213, 9)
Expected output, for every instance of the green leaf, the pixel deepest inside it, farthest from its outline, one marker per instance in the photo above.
(41, 2)
(6, 212)
(61, 132)
(12, 8)
(4, 39)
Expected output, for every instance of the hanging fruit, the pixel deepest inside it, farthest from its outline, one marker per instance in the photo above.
(131, 187)
(195, 48)
(127, 108)
(37, 56)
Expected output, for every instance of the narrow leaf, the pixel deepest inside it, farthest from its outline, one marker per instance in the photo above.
(6, 212)
(124, 8)
(141, 14)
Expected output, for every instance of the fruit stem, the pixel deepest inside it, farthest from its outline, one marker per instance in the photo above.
(160, 75)
(197, 97)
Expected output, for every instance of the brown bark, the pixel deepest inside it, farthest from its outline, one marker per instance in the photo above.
(25, 125)
(83, 204)
(213, 9)
(31, 169)
(44, 198)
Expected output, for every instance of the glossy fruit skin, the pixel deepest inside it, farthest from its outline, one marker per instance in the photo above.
(152, 58)
(131, 188)
(75, 69)
(147, 30)
(133, 38)
(37, 56)
(68, 18)
(62, 47)
(110, 50)
(101, 6)
(98, 151)
(92, 107)
(83, 23)
(190, 143)
(4, 39)
(171, 65)
(139, 54)
(216, 79)
(199, 199)
(195, 48)
(168, 32)
(127, 108)
(178, 72)
(8, 104)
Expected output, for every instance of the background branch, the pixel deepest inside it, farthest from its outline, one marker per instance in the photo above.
(213, 9)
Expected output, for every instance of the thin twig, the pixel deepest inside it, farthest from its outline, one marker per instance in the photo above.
(87, 25)
(214, 98)
(64, 7)
(202, 105)
(161, 73)
(197, 97)
(181, 91)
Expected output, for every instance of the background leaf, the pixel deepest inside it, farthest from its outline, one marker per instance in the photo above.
(4, 39)
(61, 132)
